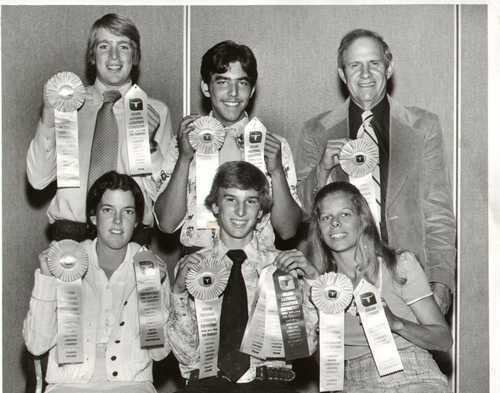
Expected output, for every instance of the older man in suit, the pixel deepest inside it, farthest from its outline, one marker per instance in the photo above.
(412, 188)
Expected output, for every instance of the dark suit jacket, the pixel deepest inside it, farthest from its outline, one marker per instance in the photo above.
(419, 207)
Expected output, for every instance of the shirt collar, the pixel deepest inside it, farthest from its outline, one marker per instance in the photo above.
(123, 89)
(94, 260)
(252, 248)
(380, 113)
(378, 110)
(239, 125)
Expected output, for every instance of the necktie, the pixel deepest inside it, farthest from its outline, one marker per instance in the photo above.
(234, 317)
(104, 151)
(366, 131)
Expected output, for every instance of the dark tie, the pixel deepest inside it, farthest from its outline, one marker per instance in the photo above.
(234, 317)
(104, 151)
(366, 131)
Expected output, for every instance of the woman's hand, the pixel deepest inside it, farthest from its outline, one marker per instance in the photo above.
(43, 259)
(295, 263)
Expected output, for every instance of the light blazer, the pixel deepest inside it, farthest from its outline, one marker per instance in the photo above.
(418, 208)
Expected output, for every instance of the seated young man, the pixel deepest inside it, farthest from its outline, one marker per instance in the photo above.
(239, 198)
(113, 360)
(229, 77)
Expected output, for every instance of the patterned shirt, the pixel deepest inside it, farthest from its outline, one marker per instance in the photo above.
(199, 237)
(182, 325)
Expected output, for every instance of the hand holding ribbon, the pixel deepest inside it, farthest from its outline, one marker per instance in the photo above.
(295, 263)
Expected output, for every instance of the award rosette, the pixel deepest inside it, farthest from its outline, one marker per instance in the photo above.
(359, 157)
(263, 338)
(68, 262)
(254, 137)
(206, 138)
(150, 302)
(376, 327)
(331, 293)
(66, 94)
(137, 126)
(206, 283)
(291, 315)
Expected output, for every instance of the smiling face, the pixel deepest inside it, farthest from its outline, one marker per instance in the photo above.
(115, 219)
(339, 223)
(114, 58)
(238, 212)
(365, 72)
(229, 93)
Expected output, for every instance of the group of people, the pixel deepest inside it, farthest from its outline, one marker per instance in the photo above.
(400, 236)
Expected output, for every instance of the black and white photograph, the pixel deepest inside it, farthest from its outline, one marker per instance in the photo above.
(329, 166)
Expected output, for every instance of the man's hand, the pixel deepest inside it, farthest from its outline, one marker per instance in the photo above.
(442, 296)
(330, 157)
(295, 263)
(186, 151)
(153, 125)
(184, 265)
(272, 153)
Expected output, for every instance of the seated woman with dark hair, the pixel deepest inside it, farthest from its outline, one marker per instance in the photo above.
(113, 358)
(345, 234)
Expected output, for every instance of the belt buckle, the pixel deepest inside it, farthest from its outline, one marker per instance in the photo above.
(265, 373)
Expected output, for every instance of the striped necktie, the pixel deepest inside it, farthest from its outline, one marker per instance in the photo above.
(104, 153)
(366, 131)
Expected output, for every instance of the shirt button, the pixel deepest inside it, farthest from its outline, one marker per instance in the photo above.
(115, 373)
(122, 323)
(113, 357)
(125, 302)
(117, 341)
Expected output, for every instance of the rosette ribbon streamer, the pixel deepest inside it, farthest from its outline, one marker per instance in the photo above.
(331, 293)
(66, 94)
(68, 262)
(376, 327)
(289, 298)
(254, 137)
(206, 138)
(137, 126)
(206, 283)
(263, 338)
(150, 302)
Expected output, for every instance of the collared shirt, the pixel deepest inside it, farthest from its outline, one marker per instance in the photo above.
(381, 126)
(398, 297)
(190, 235)
(109, 317)
(182, 325)
(69, 203)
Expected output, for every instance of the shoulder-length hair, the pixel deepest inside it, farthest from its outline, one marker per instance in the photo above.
(369, 246)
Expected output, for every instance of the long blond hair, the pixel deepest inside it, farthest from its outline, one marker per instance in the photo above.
(369, 247)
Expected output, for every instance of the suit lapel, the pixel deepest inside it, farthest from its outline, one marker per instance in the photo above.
(337, 126)
(404, 146)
